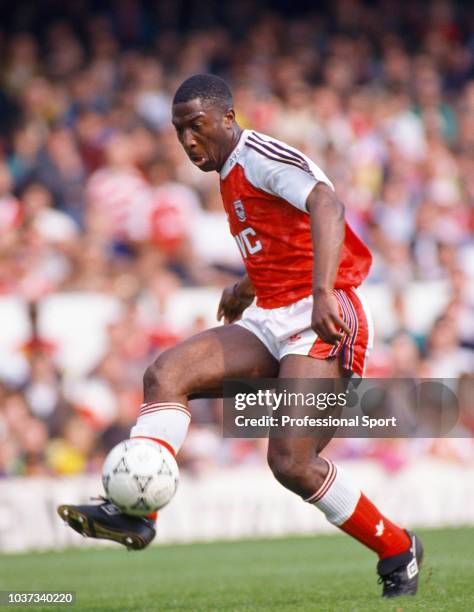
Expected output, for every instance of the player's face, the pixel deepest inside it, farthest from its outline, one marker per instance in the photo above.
(206, 133)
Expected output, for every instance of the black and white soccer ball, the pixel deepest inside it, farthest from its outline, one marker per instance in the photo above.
(140, 476)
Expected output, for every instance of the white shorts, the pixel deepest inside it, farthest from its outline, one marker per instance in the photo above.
(287, 330)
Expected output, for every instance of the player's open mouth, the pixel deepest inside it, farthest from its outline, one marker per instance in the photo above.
(198, 160)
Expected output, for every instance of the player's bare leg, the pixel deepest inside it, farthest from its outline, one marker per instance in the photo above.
(295, 461)
(197, 365)
(203, 362)
(297, 464)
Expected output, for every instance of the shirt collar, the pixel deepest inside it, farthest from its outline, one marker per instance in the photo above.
(234, 156)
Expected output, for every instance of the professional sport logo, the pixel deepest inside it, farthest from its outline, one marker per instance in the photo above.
(240, 210)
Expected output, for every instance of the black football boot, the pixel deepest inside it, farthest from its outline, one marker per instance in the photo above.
(106, 521)
(399, 573)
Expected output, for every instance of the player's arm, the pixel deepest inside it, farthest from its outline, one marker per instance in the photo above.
(235, 299)
(327, 229)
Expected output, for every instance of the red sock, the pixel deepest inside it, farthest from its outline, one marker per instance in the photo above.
(153, 516)
(350, 510)
(373, 529)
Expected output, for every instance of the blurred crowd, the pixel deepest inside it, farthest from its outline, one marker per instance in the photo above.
(97, 197)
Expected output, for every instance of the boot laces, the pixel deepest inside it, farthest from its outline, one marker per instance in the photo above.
(100, 498)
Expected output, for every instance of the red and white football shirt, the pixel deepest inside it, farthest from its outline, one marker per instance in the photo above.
(264, 185)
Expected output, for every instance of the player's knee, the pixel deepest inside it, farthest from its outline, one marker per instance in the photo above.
(285, 465)
(296, 468)
(163, 376)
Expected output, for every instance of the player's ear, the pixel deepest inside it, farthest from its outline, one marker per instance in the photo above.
(229, 118)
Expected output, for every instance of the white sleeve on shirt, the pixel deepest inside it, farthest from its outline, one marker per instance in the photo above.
(281, 170)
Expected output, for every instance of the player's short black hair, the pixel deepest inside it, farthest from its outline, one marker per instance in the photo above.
(209, 88)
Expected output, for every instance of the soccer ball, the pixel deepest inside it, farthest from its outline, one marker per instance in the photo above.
(140, 476)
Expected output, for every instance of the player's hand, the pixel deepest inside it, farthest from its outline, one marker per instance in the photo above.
(233, 303)
(325, 320)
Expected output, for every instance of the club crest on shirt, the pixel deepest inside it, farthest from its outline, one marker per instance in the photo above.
(240, 210)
